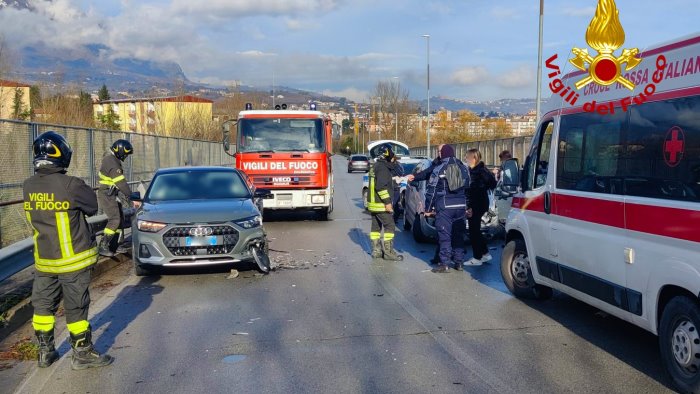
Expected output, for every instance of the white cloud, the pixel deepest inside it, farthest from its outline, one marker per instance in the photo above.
(255, 53)
(219, 9)
(353, 94)
(519, 77)
(469, 75)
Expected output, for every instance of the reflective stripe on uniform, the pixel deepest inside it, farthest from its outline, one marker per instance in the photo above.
(374, 235)
(109, 231)
(64, 237)
(383, 194)
(43, 323)
(388, 236)
(105, 180)
(78, 327)
(372, 205)
(70, 264)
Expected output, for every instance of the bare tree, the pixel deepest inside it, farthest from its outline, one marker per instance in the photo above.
(388, 100)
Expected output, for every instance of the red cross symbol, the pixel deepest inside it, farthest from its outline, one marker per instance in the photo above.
(673, 146)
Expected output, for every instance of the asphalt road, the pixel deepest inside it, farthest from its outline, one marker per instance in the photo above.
(331, 320)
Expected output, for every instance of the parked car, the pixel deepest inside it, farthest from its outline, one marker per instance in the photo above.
(195, 216)
(358, 163)
(423, 226)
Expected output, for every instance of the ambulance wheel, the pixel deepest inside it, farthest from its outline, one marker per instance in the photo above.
(679, 342)
(517, 273)
(323, 214)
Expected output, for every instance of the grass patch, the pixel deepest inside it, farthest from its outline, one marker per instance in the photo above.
(24, 350)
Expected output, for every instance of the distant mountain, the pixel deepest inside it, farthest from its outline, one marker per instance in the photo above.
(503, 106)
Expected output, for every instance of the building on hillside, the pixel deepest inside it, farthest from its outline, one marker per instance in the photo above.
(338, 116)
(522, 125)
(156, 115)
(9, 92)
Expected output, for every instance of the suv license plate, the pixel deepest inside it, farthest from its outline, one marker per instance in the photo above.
(201, 241)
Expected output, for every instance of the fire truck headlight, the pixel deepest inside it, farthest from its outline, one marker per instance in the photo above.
(317, 199)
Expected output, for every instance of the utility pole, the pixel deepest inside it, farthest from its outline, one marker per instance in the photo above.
(539, 65)
(427, 37)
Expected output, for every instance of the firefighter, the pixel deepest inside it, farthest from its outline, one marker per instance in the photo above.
(381, 206)
(113, 181)
(64, 251)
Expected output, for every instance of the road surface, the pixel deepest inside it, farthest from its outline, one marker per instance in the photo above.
(331, 320)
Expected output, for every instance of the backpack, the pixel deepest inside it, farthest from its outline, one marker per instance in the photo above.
(454, 177)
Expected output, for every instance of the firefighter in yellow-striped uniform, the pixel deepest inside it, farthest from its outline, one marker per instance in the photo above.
(112, 182)
(380, 205)
(64, 251)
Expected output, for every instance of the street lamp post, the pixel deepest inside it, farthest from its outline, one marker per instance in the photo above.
(427, 37)
(396, 107)
(539, 65)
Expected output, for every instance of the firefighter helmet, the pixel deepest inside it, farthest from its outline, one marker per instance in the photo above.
(385, 151)
(122, 149)
(53, 148)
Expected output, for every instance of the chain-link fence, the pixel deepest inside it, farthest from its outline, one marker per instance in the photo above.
(89, 145)
(518, 147)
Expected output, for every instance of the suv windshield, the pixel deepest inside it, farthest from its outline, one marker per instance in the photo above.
(197, 185)
(280, 135)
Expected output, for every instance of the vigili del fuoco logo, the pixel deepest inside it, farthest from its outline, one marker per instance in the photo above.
(604, 70)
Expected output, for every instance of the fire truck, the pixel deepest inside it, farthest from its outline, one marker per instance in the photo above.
(287, 152)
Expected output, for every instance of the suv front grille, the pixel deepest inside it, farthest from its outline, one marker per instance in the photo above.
(174, 240)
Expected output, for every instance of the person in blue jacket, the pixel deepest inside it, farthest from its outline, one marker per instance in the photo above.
(450, 207)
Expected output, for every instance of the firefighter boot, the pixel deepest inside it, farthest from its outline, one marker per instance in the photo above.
(105, 245)
(389, 252)
(376, 249)
(47, 350)
(84, 354)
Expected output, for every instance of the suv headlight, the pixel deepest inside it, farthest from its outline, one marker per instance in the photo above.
(251, 222)
(150, 227)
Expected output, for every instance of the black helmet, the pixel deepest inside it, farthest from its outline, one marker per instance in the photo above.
(122, 149)
(385, 151)
(53, 148)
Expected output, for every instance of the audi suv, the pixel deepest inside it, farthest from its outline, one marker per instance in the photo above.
(194, 216)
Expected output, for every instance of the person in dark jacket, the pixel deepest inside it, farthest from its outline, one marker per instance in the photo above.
(450, 207)
(65, 251)
(482, 180)
(396, 171)
(113, 182)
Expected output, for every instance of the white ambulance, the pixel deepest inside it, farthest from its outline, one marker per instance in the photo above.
(606, 207)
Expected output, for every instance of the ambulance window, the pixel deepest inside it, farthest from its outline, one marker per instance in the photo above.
(590, 146)
(542, 166)
(662, 154)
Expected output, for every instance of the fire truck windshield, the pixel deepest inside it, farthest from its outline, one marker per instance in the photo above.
(281, 135)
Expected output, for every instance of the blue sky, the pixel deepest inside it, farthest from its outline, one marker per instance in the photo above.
(479, 49)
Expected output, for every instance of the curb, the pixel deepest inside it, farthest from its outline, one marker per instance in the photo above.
(21, 313)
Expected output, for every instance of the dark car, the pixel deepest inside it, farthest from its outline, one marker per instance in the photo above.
(423, 226)
(193, 216)
(358, 163)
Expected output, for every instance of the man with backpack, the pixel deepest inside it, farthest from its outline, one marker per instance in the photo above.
(448, 181)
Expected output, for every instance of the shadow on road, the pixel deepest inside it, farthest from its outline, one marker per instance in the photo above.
(126, 307)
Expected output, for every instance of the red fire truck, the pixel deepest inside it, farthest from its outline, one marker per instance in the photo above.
(289, 153)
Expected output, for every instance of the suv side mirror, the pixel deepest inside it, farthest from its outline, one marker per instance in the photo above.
(135, 196)
(511, 175)
(265, 194)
